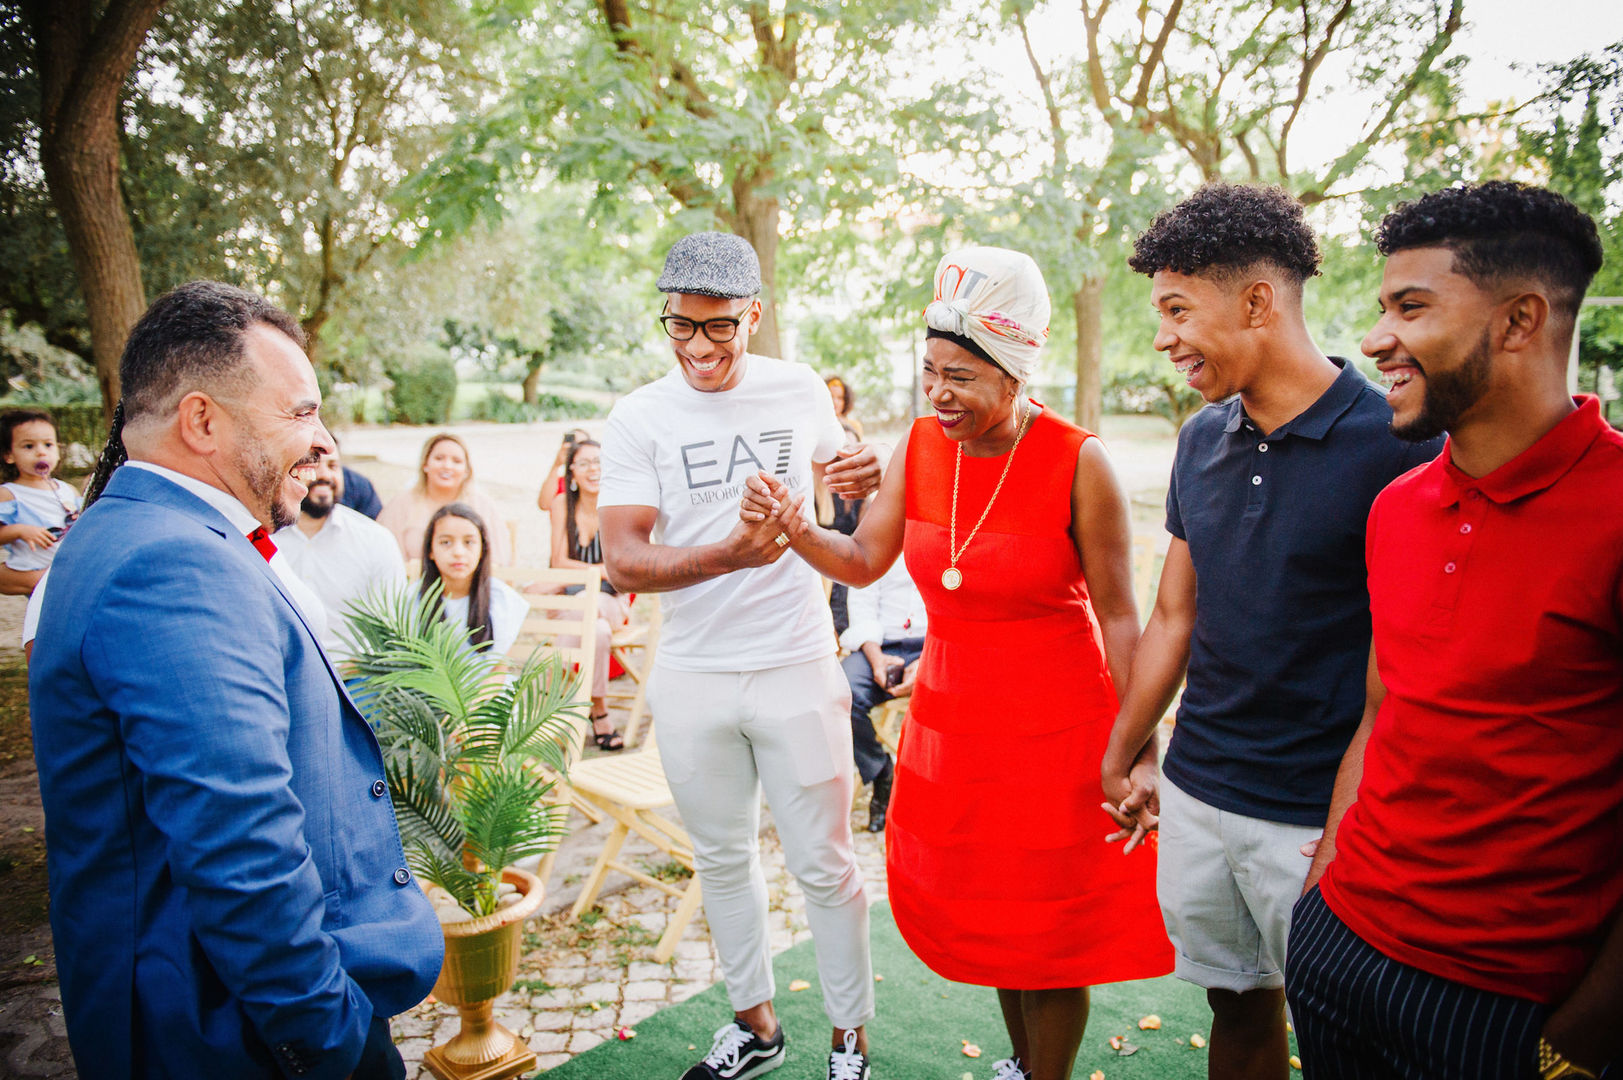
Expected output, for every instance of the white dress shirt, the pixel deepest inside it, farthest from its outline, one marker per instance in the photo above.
(241, 519)
(349, 557)
(890, 609)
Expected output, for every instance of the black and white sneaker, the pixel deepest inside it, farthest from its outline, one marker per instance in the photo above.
(738, 1054)
(847, 1064)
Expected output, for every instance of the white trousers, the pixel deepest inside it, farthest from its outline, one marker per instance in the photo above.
(724, 737)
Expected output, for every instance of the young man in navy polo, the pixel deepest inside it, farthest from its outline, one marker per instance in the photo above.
(1262, 601)
(1467, 921)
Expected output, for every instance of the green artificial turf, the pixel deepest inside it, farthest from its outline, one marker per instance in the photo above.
(920, 1028)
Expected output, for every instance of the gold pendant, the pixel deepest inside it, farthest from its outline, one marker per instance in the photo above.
(951, 578)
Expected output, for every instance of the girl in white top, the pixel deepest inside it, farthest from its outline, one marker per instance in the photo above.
(35, 507)
(456, 553)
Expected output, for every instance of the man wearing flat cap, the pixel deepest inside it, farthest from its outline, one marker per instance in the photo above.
(747, 688)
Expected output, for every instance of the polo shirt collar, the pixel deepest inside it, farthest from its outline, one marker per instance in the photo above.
(1317, 419)
(1535, 468)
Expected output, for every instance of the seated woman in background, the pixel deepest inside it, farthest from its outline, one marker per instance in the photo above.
(444, 476)
(553, 485)
(456, 553)
(575, 543)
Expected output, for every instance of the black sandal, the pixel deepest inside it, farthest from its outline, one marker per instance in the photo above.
(610, 740)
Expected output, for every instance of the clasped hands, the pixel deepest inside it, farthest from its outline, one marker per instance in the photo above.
(1134, 802)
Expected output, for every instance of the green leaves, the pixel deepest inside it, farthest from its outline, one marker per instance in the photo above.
(471, 753)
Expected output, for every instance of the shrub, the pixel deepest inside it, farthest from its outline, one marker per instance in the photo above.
(498, 407)
(1146, 392)
(422, 392)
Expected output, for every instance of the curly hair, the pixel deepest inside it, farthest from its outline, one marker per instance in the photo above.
(1502, 231)
(1224, 229)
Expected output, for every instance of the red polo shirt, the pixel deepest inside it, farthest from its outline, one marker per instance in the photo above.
(1486, 845)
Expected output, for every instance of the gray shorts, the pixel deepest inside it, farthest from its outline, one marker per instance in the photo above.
(1227, 883)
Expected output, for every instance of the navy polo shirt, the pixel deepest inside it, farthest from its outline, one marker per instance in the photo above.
(1275, 528)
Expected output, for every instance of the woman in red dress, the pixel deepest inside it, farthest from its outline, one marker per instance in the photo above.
(1016, 531)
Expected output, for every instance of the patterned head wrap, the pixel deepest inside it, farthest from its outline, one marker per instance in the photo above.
(995, 298)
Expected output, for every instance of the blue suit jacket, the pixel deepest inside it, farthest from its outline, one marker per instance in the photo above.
(228, 889)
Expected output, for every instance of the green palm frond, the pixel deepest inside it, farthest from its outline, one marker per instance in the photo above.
(414, 728)
(422, 808)
(539, 714)
(473, 890)
(503, 815)
(438, 665)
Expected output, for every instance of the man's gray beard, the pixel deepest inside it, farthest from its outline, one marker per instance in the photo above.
(264, 481)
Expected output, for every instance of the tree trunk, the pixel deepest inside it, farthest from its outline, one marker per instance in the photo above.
(82, 61)
(532, 384)
(1088, 304)
(756, 220)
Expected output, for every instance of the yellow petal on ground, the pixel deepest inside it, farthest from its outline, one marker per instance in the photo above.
(1289, 1028)
(595, 1006)
(799, 984)
(970, 1049)
(1197, 1041)
(1150, 1023)
(1097, 1074)
(1296, 1062)
(1115, 1042)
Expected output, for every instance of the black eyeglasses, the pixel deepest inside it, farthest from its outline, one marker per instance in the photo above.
(719, 331)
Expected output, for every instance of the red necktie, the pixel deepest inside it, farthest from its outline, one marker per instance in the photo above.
(260, 539)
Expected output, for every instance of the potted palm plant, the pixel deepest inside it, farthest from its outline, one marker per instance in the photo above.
(472, 756)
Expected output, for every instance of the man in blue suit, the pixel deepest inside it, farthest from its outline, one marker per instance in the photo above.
(229, 896)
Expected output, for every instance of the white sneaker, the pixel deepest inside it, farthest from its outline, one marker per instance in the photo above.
(847, 1064)
(1009, 1069)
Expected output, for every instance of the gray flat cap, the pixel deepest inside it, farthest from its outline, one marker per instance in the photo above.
(712, 264)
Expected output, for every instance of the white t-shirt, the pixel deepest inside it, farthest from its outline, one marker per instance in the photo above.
(687, 454)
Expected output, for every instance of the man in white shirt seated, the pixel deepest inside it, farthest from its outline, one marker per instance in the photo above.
(341, 554)
(885, 637)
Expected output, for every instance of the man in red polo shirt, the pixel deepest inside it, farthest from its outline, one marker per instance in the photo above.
(1466, 921)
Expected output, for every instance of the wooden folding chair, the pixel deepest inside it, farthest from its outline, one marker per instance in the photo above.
(887, 719)
(627, 642)
(567, 625)
(630, 788)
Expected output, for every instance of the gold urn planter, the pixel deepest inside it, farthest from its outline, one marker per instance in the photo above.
(481, 962)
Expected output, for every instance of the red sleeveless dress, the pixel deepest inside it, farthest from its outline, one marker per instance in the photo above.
(999, 871)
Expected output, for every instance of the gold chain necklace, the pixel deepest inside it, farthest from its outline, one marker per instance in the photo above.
(952, 577)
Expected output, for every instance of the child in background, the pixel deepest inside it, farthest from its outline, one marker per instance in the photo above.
(456, 553)
(35, 507)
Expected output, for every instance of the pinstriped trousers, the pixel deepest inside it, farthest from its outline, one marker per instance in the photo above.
(1360, 1014)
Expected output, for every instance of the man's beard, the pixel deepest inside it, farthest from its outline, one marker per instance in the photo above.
(264, 481)
(318, 510)
(1450, 395)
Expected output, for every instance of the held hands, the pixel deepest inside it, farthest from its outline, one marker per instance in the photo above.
(1135, 805)
(767, 501)
(761, 538)
(854, 473)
